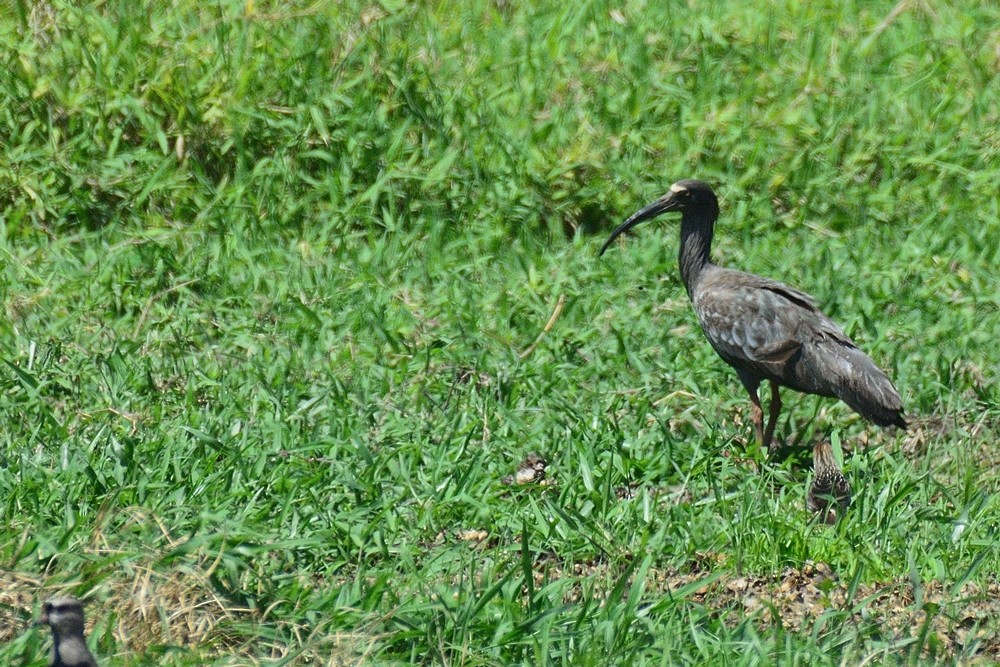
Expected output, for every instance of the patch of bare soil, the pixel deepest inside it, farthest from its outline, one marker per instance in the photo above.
(964, 620)
(151, 608)
(952, 623)
(965, 425)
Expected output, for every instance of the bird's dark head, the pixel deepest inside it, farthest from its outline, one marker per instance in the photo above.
(63, 614)
(687, 196)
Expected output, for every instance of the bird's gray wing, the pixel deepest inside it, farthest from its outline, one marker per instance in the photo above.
(756, 320)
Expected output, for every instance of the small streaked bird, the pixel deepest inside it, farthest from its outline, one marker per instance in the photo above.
(764, 329)
(530, 470)
(64, 615)
(830, 492)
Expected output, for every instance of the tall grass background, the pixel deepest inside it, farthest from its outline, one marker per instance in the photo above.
(289, 287)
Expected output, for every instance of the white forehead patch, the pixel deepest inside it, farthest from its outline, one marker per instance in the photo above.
(677, 187)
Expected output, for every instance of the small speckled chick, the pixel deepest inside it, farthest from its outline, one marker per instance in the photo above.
(531, 470)
(830, 492)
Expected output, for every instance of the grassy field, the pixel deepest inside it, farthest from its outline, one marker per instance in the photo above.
(289, 288)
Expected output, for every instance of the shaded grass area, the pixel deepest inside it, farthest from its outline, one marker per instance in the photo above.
(272, 276)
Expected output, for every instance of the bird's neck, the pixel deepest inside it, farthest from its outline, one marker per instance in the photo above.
(71, 652)
(696, 244)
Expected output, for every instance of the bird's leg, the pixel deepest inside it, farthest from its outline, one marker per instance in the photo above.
(752, 384)
(772, 419)
(757, 416)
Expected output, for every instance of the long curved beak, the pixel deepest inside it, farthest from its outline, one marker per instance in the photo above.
(664, 204)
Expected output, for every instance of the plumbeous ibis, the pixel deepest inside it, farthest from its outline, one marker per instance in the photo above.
(764, 329)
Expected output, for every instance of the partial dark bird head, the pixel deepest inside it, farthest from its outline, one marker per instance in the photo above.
(64, 614)
(690, 197)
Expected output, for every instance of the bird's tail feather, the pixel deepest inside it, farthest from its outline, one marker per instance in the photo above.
(868, 391)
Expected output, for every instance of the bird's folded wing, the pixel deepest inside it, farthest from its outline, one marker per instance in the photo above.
(755, 319)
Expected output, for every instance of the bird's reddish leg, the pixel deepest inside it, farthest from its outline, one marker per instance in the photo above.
(772, 419)
(757, 416)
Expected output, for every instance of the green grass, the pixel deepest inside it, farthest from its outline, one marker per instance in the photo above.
(271, 275)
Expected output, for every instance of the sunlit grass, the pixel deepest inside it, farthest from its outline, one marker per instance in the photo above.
(277, 281)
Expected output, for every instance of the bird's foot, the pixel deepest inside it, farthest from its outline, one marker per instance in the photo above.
(830, 492)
